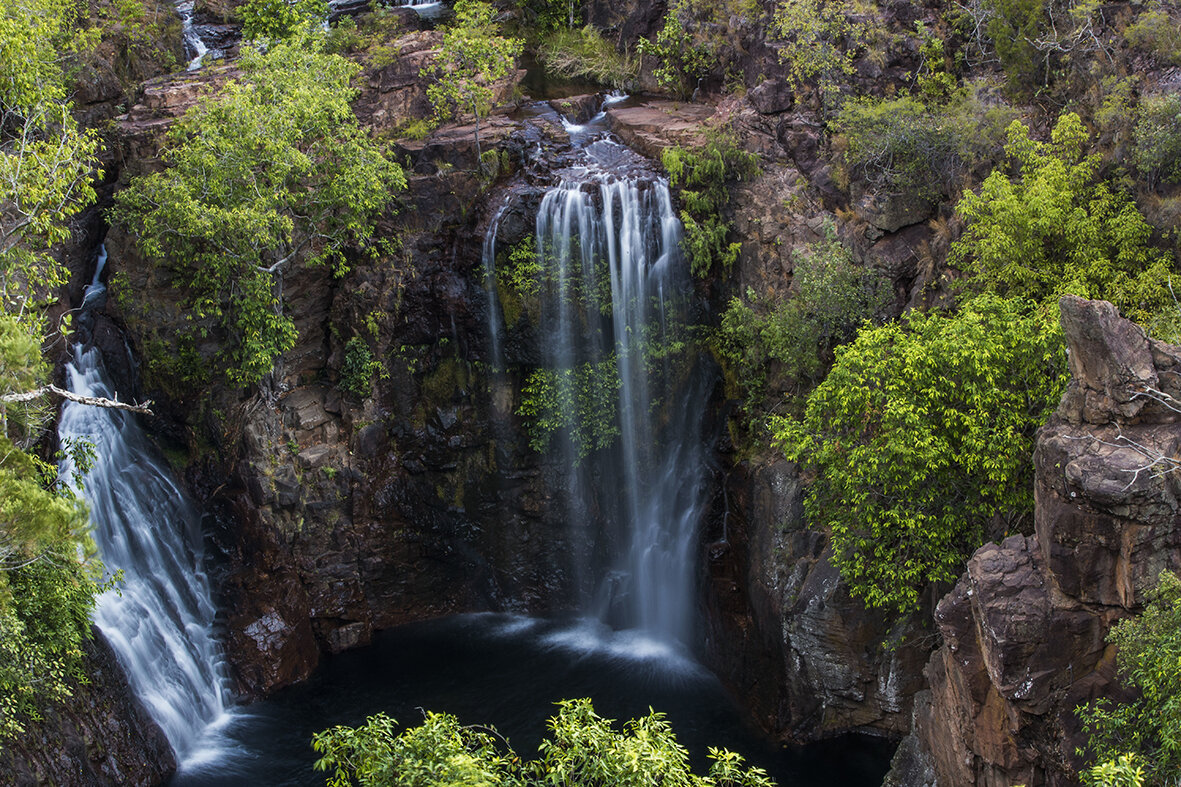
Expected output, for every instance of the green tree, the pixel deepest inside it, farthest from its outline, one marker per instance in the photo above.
(920, 442)
(582, 750)
(472, 58)
(272, 172)
(820, 41)
(1057, 229)
(46, 161)
(279, 19)
(831, 296)
(1149, 727)
(682, 58)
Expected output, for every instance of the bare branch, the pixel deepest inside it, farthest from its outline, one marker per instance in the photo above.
(93, 401)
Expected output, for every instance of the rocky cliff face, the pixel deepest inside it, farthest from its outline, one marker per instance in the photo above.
(101, 735)
(808, 658)
(342, 514)
(1024, 628)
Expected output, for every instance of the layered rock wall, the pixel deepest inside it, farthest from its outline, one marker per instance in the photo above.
(1024, 629)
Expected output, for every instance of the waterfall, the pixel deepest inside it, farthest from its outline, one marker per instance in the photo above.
(193, 42)
(159, 620)
(614, 295)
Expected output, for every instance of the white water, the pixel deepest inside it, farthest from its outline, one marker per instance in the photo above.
(184, 8)
(615, 289)
(160, 618)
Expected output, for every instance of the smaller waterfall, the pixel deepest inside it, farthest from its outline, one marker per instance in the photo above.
(160, 619)
(193, 42)
(488, 257)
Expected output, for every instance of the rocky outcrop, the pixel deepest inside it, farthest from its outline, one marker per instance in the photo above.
(100, 735)
(1024, 629)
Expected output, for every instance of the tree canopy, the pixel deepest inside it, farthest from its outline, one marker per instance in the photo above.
(1058, 229)
(272, 172)
(921, 439)
(47, 569)
(1149, 727)
(583, 749)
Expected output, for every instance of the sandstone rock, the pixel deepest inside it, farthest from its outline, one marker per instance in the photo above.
(654, 125)
(1024, 629)
(771, 97)
(811, 660)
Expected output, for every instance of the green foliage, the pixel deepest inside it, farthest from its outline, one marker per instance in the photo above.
(46, 161)
(1158, 30)
(585, 54)
(579, 402)
(1158, 138)
(582, 750)
(280, 19)
(1120, 772)
(820, 41)
(701, 178)
(1147, 655)
(921, 439)
(473, 57)
(356, 373)
(831, 297)
(681, 59)
(372, 35)
(906, 146)
(524, 270)
(47, 570)
(1057, 229)
(1014, 26)
(272, 172)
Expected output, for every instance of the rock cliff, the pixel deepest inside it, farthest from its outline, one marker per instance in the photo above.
(101, 735)
(1023, 630)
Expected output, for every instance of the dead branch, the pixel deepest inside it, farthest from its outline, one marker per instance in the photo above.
(93, 401)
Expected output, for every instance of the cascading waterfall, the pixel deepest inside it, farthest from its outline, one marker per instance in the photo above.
(160, 619)
(613, 307)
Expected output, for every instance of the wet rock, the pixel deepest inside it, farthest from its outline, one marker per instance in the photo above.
(808, 658)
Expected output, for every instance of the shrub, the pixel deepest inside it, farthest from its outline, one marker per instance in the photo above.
(905, 146)
(921, 440)
(700, 177)
(280, 19)
(356, 373)
(820, 40)
(1056, 229)
(1149, 727)
(831, 296)
(682, 59)
(1158, 31)
(1158, 139)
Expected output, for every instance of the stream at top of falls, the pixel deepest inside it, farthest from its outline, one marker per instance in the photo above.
(613, 287)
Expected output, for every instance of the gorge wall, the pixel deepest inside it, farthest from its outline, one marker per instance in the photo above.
(1023, 630)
